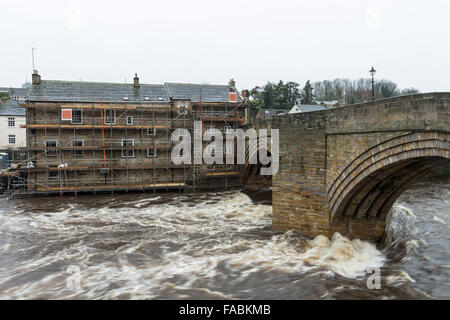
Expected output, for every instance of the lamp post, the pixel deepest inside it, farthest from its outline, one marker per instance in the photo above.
(372, 73)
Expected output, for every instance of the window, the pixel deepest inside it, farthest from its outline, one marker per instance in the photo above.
(53, 174)
(125, 98)
(146, 98)
(11, 122)
(50, 144)
(211, 168)
(151, 153)
(232, 97)
(151, 131)
(77, 143)
(129, 120)
(12, 139)
(228, 129)
(77, 116)
(127, 153)
(66, 115)
(110, 116)
(181, 152)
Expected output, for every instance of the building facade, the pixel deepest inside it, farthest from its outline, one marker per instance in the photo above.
(91, 136)
(12, 136)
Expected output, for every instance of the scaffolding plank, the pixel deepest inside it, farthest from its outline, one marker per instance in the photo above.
(89, 126)
(115, 187)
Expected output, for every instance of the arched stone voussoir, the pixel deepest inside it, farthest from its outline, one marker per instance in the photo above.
(405, 142)
(391, 155)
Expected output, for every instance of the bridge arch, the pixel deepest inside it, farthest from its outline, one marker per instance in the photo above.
(251, 175)
(371, 182)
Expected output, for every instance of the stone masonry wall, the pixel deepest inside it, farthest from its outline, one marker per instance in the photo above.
(316, 146)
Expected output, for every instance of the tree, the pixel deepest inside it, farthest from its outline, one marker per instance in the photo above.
(268, 95)
(356, 91)
(386, 89)
(292, 93)
(307, 94)
(351, 100)
(4, 96)
(410, 91)
(278, 96)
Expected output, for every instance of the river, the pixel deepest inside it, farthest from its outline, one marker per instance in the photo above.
(213, 246)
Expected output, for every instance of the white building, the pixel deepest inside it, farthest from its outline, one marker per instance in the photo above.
(299, 108)
(15, 94)
(12, 136)
(330, 104)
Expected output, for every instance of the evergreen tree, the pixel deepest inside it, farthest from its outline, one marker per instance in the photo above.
(307, 94)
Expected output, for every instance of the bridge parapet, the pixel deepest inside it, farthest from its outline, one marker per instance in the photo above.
(342, 169)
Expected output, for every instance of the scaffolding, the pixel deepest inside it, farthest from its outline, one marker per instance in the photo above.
(110, 147)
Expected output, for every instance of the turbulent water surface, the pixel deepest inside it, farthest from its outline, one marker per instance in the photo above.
(213, 245)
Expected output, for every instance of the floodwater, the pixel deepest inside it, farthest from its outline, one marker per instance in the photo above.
(213, 246)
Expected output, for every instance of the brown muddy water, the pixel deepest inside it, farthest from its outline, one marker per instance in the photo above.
(213, 246)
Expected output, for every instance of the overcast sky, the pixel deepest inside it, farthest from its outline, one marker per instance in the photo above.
(407, 41)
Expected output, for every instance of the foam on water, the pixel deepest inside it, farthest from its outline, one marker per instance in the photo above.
(348, 258)
(209, 234)
(173, 246)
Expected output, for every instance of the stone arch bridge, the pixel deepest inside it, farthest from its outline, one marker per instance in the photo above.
(341, 170)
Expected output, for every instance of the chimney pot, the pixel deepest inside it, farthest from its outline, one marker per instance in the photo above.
(36, 78)
(232, 83)
(136, 81)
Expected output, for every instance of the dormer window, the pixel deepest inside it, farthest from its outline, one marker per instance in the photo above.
(125, 98)
(146, 98)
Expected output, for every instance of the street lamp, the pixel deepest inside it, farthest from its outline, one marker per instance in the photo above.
(372, 73)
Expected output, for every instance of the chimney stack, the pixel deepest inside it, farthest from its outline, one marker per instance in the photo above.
(232, 83)
(36, 78)
(136, 81)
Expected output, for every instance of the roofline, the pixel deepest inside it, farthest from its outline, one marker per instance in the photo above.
(131, 84)
(197, 84)
(100, 82)
(99, 101)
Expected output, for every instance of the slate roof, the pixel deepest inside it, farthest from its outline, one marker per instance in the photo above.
(273, 112)
(19, 92)
(193, 92)
(12, 109)
(79, 91)
(306, 108)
